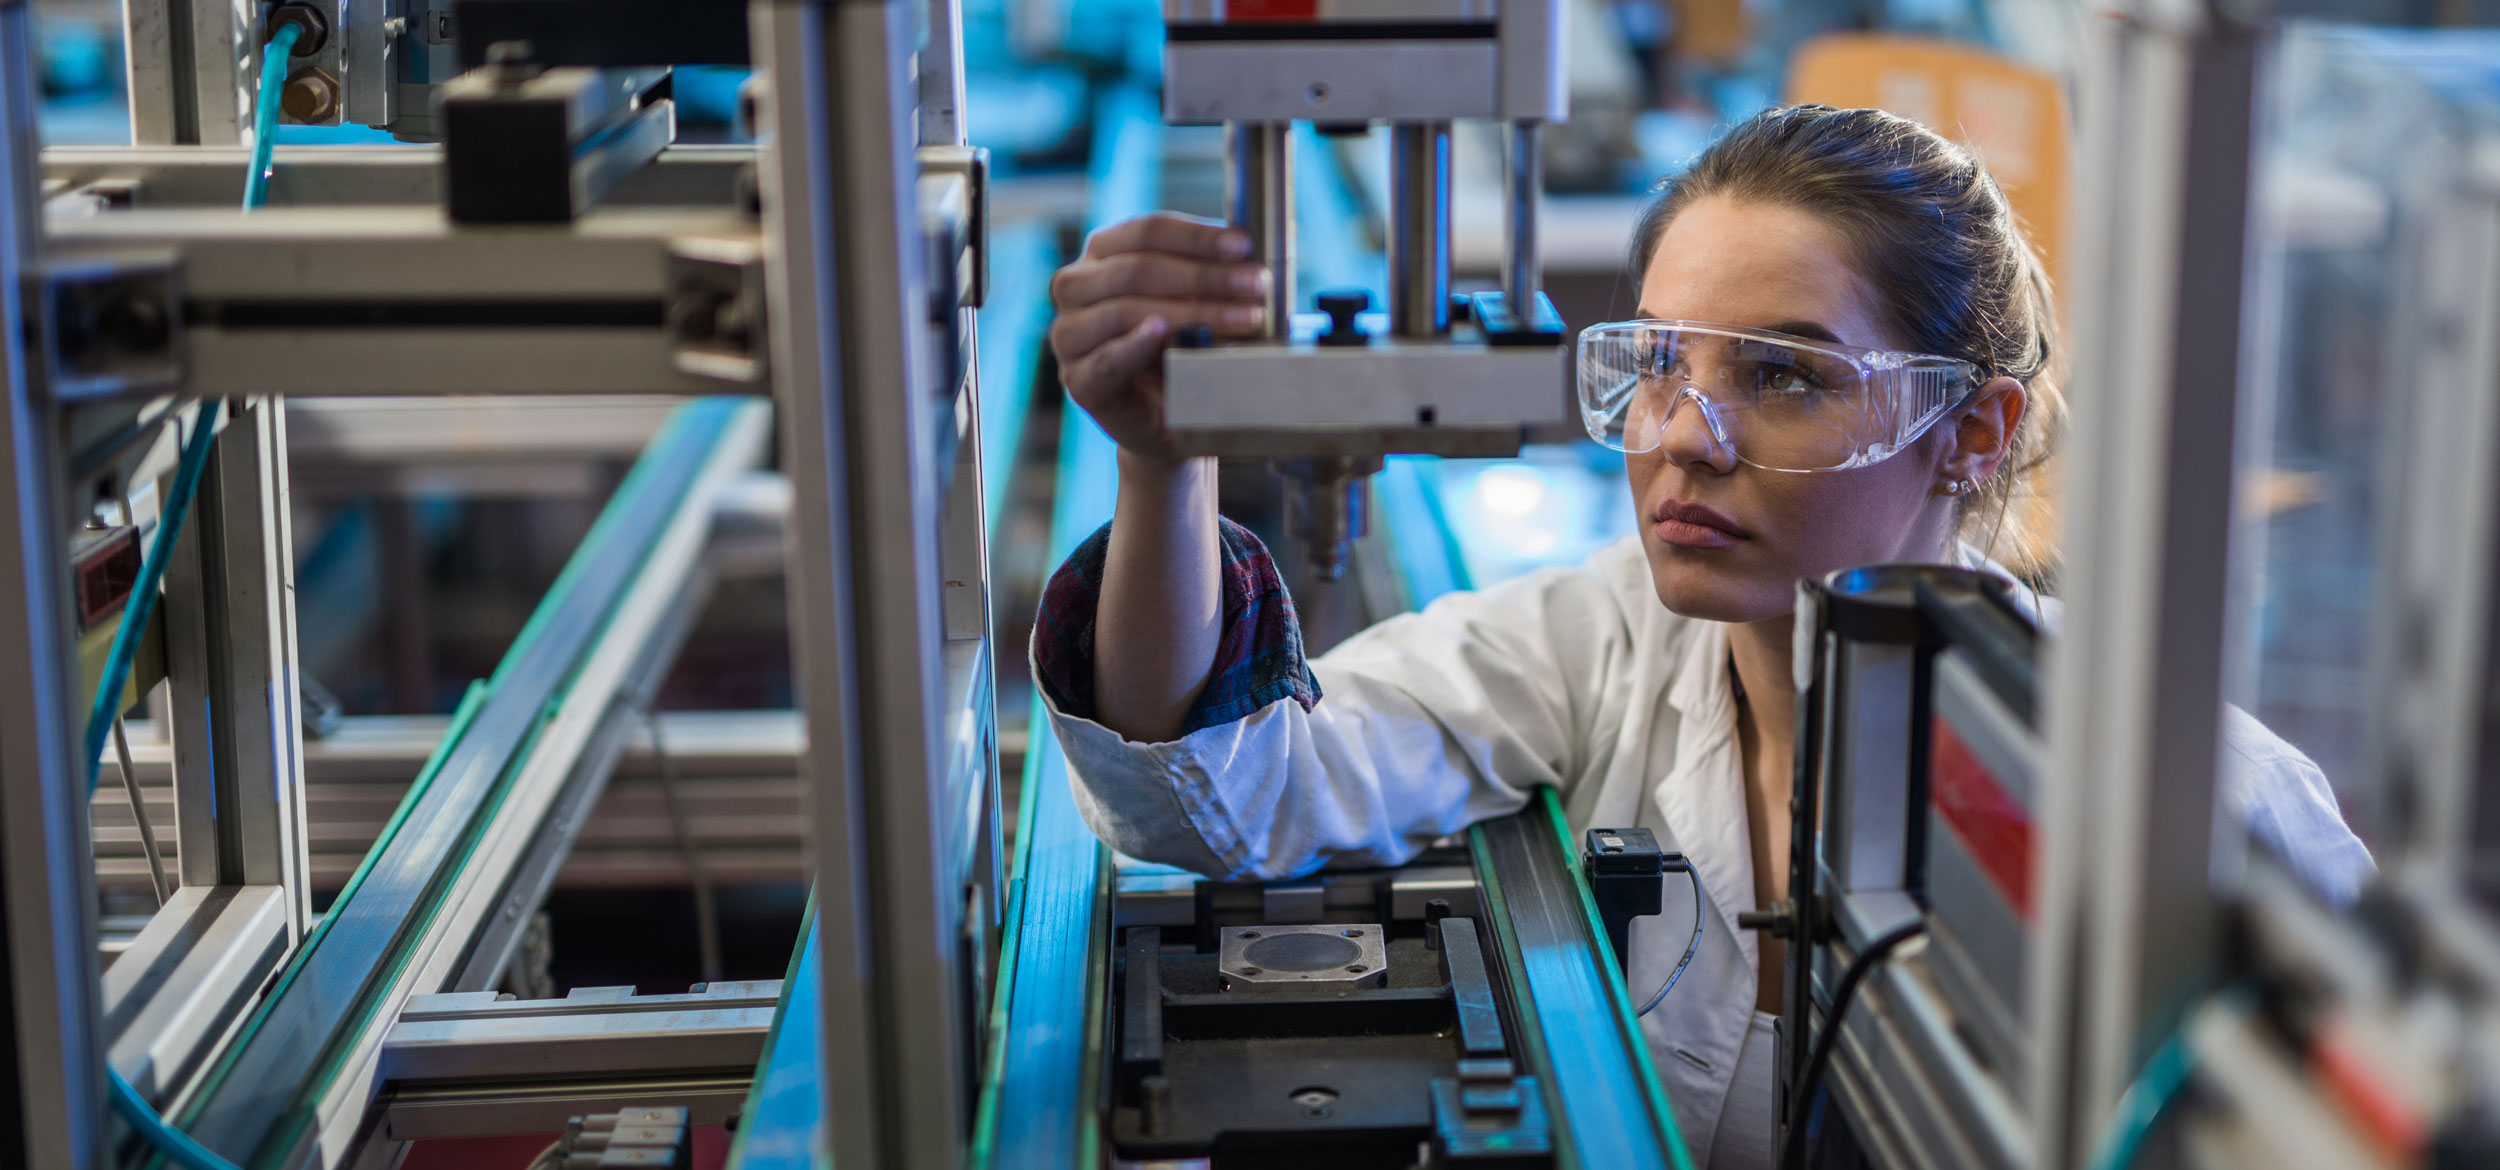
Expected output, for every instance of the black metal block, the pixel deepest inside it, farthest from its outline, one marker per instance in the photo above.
(606, 33)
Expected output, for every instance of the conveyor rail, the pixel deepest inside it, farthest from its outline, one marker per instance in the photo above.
(260, 1105)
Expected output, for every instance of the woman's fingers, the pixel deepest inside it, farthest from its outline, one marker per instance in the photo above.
(1077, 333)
(1155, 274)
(1165, 231)
(1103, 374)
(1139, 282)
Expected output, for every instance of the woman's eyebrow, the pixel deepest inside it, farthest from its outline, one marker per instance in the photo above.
(1806, 329)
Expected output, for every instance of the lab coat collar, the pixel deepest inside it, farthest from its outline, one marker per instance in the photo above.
(1702, 797)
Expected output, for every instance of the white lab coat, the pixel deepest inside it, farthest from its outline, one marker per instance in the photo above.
(1576, 678)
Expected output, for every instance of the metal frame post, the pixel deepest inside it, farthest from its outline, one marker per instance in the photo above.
(191, 70)
(852, 370)
(51, 1051)
(237, 707)
(922, 1043)
(795, 148)
(2127, 917)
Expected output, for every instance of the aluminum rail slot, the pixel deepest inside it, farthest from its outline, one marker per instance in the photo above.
(176, 991)
(738, 770)
(468, 1064)
(263, 1102)
(98, 179)
(378, 300)
(1575, 1019)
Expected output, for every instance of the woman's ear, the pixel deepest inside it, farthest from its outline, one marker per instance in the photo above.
(1983, 430)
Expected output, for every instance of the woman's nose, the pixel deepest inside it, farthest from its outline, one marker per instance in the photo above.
(1693, 432)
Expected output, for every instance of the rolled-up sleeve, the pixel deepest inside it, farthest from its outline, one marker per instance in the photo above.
(1258, 655)
(1431, 722)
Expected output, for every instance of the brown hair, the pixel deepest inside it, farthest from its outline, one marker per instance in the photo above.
(1944, 252)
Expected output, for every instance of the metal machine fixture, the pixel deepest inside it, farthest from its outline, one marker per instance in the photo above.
(174, 317)
(1326, 396)
(1918, 756)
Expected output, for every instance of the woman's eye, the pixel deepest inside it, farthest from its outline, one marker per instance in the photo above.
(1792, 382)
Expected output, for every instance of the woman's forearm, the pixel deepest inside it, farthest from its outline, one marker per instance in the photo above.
(1160, 613)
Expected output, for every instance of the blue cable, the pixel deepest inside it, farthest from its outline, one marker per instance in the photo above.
(2145, 1101)
(265, 112)
(173, 1143)
(143, 592)
(177, 1146)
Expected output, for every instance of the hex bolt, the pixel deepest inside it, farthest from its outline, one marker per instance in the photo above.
(304, 16)
(309, 96)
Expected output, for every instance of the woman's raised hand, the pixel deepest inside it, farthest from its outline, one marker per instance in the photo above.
(1118, 305)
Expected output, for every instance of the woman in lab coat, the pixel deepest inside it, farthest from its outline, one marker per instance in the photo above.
(1807, 251)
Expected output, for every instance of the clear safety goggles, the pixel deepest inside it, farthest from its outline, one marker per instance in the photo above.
(1778, 402)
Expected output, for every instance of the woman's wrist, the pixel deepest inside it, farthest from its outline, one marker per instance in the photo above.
(1153, 480)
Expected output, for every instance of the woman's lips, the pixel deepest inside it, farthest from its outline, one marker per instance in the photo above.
(1690, 525)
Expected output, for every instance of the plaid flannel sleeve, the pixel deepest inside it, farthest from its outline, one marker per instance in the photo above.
(1258, 656)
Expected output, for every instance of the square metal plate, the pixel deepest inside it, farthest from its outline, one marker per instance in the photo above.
(1337, 956)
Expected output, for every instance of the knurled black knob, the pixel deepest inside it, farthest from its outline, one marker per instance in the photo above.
(1343, 306)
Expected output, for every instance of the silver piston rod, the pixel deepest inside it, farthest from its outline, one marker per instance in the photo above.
(1419, 229)
(1523, 183)
(1258, 199)
(1324, 498)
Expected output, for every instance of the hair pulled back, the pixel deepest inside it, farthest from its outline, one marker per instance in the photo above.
(1949, 264)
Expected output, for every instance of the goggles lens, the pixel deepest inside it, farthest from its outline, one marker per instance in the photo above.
(1778, 402)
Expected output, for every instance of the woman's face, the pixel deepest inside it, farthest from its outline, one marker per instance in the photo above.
(1728, 541)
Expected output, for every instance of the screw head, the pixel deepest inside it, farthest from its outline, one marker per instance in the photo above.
(309, 97)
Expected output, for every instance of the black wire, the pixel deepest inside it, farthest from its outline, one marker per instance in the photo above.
(1793, 1143)
(1689, 947)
